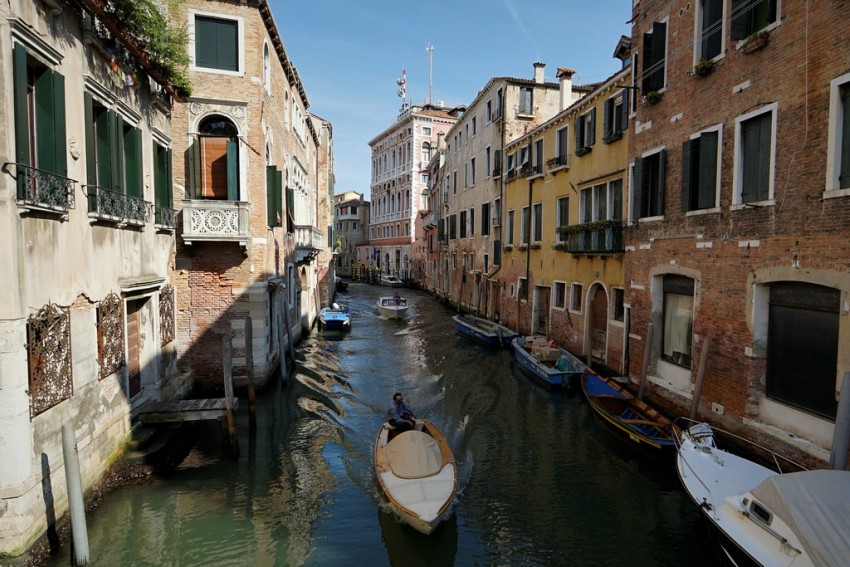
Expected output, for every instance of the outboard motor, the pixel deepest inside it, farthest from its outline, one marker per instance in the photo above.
(701, 434)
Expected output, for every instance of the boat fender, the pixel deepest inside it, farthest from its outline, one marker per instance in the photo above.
(705, 505)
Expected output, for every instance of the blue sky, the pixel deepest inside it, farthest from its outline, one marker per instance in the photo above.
(349, 55)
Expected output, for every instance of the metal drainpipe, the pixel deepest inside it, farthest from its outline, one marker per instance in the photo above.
(501, 190)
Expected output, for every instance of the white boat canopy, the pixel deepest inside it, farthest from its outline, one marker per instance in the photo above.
(816, 505)
(414, 454)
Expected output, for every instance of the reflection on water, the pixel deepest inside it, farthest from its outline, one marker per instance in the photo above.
(540, 483)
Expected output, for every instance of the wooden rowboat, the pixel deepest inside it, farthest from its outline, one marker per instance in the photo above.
(483, 330)
(417, 473)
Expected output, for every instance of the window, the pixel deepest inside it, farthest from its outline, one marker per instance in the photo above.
(526, 100)
(710, 26)
(216, 160)
(472, 171)
(452, 227)
(751, 16)
(563, 216)
(563, 148)
(654, 57)
(699, 172)
(454, 182)
(465, 175)
(49, 358)
(538, 157)
(838, 160)
(648, 182)
(575, 297)
(267, 69)
(485, 219)
(471, 222)
(537, 222)
(216, 43)
(274, 196)
(486, 263)
(110, 335)
(426, 153)
(474, 126)
(510, 227)
(163, 192)
(585, 131)
(487, 162)
(754, 147)
(602, 202)
(426, 131)
(525, 225)
(522, 289)
(463, 224)
(616, 117)
(489, 111)
(619, 307)
(511, 165)
(678, 319)
(39, 102)
(559, 295)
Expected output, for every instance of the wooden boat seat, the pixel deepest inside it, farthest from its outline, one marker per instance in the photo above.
(643, 422)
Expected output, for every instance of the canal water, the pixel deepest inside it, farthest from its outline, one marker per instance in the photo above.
(541, 483)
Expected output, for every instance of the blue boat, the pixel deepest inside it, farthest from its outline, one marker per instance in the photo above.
(632, 420)
(550, 366)
(335, 318)
(482, 330)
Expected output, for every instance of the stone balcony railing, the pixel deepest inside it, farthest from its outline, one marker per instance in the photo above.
(601, 237)
(309, 241)
(215, 221)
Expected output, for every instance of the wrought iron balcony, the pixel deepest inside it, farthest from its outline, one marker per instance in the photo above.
(105, 204)
(165, 217)
(601, 237)
(215, 221)
(309, 241)
(41, 189)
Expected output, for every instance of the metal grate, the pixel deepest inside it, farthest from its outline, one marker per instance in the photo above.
(166, 315)
(110, 335)
(49, 349)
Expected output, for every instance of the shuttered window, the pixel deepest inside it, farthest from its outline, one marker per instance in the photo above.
(755, 151)
(485, 219)
(654, 58)
(563, 145)
(216, 43)
(274, 196)
(162, 176)
(751, 16)
(699, 172)
(615, 117)
(586, 130)
(463, 224)
(844, 137)
(711, 28)
(678, 319)
(510, 227)
(648, 180)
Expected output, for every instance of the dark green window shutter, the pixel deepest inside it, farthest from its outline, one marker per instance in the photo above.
(707, 170)
(844, 138)
(233, 171)
(659, 189)
(169, 188)
(104, 124)
(646, 60)
(608, 117)
(91, 156)
(687, 173)
(497, 252)
(639, 186)
(278, 197)
(133, 161)
(197, 182)
(22, 123)
(59, 143)
(45, 151)
(624, 117)
(756, 144)
(290, 210)
(216, 43)
(159, 183)
(579, 130)
(592, 133)
(116, 131)
(271, 180)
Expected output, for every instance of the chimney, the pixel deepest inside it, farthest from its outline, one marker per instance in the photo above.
(538, 72)
(566, 77)
(440, 144)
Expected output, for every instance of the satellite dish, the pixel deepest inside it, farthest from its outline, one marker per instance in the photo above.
(400, 92)
(400, 81)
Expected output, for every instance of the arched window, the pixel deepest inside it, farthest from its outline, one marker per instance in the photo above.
(216, 159)
(267, 69)
(426, 154)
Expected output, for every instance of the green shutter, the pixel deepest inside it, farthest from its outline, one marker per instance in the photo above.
(233, 171)
(271, 181)
(22, 125)
(607, 117)
(662, 165)
(687, 176)
(639, 186)
(707, 170)
(592, 136)
(646, 60)
(169, 187)
(116, 152)
(844, 175)
(105, 128)
(158, 174)
(133, 161)
(45, 151)
(290, 210)
(91, 156)
(278, 197)
(196, 169)
(59, 142)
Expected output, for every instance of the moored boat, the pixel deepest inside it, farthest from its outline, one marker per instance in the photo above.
(392, 306)
(761, 515)
(549, 365)
(633, 420)
(335, 318)
(418, 474)
(341, 284)
(483, 330)
(390, 281)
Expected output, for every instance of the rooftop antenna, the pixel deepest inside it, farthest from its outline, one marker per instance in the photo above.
(430, 50)
(402, 92)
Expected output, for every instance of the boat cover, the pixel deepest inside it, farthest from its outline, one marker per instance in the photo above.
(414, 454)
(815, 505)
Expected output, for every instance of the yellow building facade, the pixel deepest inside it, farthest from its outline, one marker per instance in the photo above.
(564, 210)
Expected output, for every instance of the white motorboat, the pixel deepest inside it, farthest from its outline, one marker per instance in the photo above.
(762, 516)
(390, 281)
(418, 474)
(392, 306)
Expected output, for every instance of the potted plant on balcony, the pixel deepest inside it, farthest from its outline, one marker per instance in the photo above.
(583, 150)
(534, 246)
(559, 246)
(756, 41)
(704, 67)
(652, 97)
(612, 136)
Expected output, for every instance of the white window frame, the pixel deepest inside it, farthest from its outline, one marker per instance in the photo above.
(240, 37)
(698, 32)
(576, 293)
(719, 129)
(738, 163)
(833, 156)
(563, 295)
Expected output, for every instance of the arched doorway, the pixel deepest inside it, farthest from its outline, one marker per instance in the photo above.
(217, 159)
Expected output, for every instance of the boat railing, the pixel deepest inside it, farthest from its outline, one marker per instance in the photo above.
(740, 443)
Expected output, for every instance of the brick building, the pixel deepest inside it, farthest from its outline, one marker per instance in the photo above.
(739, 214)
(248, 188)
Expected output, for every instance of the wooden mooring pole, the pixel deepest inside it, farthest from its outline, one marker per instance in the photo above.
(703, 357)
(281, 342)
(841, 434)
(76, 506)
(232, 441)
(645, 367)
(249, 367)
(289, 332)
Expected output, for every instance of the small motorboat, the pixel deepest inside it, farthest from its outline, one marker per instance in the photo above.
(549, 365)
(763, 516)
(392, 306)
(632, 420)
(390, 281)
(335, 318)
(418, 474)
(341, 284)
(483, 330)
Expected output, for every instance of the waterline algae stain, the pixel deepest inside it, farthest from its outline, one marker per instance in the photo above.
(539, 483)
